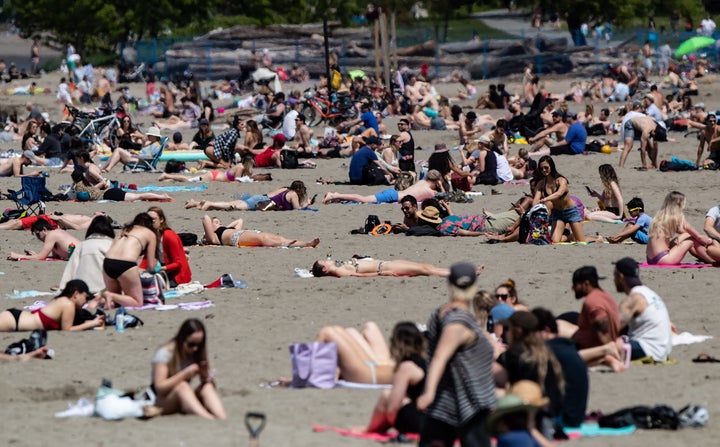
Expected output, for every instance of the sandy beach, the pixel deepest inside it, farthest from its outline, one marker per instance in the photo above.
(249, 330)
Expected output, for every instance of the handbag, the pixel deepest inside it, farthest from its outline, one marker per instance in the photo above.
(154, 287)
(314, 365)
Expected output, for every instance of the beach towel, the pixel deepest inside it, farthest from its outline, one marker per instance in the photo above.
(675, 266)
(179, 188)
(379, 437)
(593, 429)
(22, 294)
(686, 338)
(362, 386)
(650, 361)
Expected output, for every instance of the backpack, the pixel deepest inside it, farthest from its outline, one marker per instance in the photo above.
(535, 226)
(188, 239)
(289, 159)
(371, 222)
(174, 166)
(659, 416)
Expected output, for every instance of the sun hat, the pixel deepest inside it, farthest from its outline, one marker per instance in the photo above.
(440, 147)
(508, 404)
(429, 214)
(484, 139)
(650, 97)
(530, 393)
(154, 132)
(30, 156)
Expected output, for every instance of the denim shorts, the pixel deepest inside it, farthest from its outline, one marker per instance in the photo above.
(568, 215)
(629, 130)
(253, 199)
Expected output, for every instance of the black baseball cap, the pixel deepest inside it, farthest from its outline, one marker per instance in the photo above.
(462, 275)
(630, 270)
(586, 273)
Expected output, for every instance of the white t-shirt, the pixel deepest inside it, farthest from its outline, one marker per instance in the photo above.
(289, 127)
(708, 26)
(714, 213)
(652, 329)
(504, 172)
(628, 116)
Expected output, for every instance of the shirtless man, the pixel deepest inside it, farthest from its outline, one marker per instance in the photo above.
(412, 89)
(13, 167)
(467, 127)
(56, 242)
(423, 189)
(373, 267)
(646, 126)
(709, 136)
(542, 139)
(303, 135)
(409, 207)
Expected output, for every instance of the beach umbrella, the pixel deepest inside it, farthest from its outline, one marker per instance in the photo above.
(693, 44)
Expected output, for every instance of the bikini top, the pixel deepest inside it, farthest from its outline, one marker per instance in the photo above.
(545, 193)
(143, 248)
(219, 232)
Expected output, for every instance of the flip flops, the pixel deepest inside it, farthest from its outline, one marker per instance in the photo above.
(705, 358)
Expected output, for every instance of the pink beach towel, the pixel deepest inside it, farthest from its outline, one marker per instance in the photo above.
(379, 437)
(675, 266)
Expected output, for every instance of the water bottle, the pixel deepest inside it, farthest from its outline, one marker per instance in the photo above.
(71, 249)
(120, 320)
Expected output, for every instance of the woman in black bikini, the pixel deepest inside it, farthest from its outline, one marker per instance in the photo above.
(120, 267)
(58, 314)
(234, 235)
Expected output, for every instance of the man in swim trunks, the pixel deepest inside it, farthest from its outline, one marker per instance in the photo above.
(373, 267)
(646, 127)
(421, 190)
(56, 241)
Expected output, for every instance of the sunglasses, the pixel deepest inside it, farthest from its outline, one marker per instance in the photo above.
(193, 344)
(502, 296)
(405, 208)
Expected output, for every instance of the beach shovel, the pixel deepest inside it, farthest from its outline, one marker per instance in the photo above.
(255, 422)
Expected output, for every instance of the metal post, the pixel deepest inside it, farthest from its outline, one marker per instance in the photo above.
(327, 53)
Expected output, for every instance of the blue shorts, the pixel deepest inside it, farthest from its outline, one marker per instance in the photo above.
(640, 237)
(568, 215)
(253, 199)
(389, 195)
(637, 352)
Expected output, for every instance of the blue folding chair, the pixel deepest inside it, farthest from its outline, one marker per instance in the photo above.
(30, 197)
(147, 164)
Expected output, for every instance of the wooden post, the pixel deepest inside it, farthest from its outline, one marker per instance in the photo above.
(377, 51)
(385, 48)
(393, 39)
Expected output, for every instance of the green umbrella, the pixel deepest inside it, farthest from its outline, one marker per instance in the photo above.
(693, 44)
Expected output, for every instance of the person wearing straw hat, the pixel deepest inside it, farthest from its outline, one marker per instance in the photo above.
(512, 420)
(126, 156)
(459, 388)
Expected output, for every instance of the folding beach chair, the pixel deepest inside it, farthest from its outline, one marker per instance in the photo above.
(148, 164)
(30, 197)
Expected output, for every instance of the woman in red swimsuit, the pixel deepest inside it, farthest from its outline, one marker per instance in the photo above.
(58, 314)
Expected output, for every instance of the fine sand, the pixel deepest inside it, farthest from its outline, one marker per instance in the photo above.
(249, 330)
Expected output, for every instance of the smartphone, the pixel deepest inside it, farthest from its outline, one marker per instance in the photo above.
(590, 191)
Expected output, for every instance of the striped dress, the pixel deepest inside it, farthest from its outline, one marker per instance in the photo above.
(466, 386)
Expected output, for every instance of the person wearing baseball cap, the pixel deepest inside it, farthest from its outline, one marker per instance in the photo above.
(599, 320)
(598, 325)
(644, 312)
(459, 388)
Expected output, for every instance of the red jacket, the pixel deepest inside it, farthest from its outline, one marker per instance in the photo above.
(175, 261)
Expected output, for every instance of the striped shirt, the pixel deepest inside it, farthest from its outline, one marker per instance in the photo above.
(466, 386)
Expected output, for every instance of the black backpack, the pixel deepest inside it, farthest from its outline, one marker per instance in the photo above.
(174, 166)
(371, 222)
(289, 159)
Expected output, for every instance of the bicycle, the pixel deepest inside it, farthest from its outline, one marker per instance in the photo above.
(94, 130)
(319, 108)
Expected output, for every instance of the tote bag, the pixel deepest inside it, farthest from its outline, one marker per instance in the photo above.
(314, 365)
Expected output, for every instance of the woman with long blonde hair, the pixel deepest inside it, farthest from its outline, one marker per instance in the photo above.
(671, 237)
